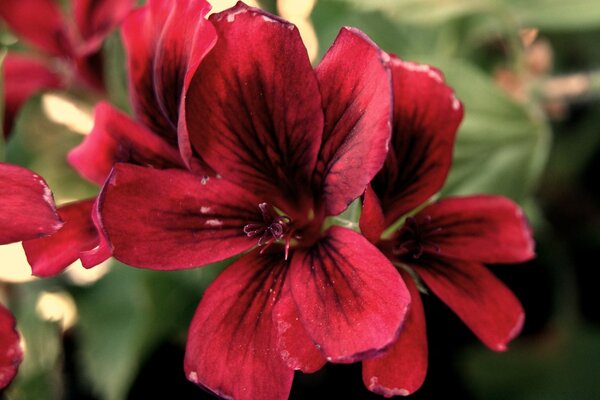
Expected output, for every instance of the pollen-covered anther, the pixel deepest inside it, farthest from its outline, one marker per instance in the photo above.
(274, 227)
(416, 237)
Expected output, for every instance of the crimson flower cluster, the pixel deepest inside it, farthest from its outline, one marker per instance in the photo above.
(238, 147)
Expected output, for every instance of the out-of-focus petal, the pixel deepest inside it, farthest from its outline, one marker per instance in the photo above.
(372, 222)
(426, 118)
(164, 42)
(27, 208)
(232, 342)
(487, 229)
(51, 255)
(484, 303)
(401, 370)
(40, 23)
(171, 219)
(355, 83)
(11, 354)
(350, 298)
(117, 138)
(253, 107)
(23, 77)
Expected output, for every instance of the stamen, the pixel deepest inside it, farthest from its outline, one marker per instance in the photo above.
(275, 227)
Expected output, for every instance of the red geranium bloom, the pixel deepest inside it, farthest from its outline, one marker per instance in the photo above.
(70, 52)
(288, 146)
(27, 211)
(446, 243)
(159, 50)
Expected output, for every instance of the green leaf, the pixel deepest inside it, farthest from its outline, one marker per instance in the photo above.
(502, 146)
(39, 375)
(563, 15)
(126, 314)
(115, 67)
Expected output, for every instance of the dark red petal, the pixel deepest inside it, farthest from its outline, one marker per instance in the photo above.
(164, 42)
(232, 341)
(372, 222)
(401, 370)
(117, 138)
(51, 255)
(484, 303)
(253, 108)
(171, 219)
(426, 118)
(27, 207)
(23, 77)
(101, 251)
(350, 298)
(96, 18)
(355, 83)
(297, 350)
(488, 229)
(11, 354)
(39, 22)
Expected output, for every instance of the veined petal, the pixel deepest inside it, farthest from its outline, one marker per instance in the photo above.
(426, 118)
(232, 342)
(487, 229)
(372, 222)
(117, 138)
(484, 303)
(23, 77)
(40, 23)
(101, 251)
(171, 219)
(350, 298)
(51, 255)
(11, 354)
(401, 370)
(96, 18)
(253, 108)
(296, 348)
(355, 83)
(164, 42)
(27, 208)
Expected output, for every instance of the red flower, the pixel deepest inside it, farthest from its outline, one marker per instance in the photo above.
(445, 245)
(159, 51)
(27, 211)
(287, 146)
(70, 51)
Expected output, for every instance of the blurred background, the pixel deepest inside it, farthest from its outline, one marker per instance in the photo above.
(528, 73)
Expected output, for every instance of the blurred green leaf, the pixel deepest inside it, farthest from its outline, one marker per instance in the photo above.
(557, 14)
(126, 314)
(115, 67)
(562, 365)
(502, 146)
(40, 374)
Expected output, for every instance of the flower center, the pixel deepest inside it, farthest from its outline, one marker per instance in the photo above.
(274, 228)
(415, 238)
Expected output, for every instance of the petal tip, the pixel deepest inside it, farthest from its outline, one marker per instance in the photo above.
(375, 387)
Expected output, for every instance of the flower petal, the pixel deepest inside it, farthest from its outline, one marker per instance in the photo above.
(297, 350)
(371, 221)
(27, 208)
(51, 255)
(117, 138)
(102, 251)
(350, 298)
(401, 370)
(355, 82)
(488, 229)
(232, 342)
(426, 118)
(171, 219)
(484, 303)
(11, 354)
(40, 23)
(23, 77)
(253, 108)
(164, 42)
(96, 18)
